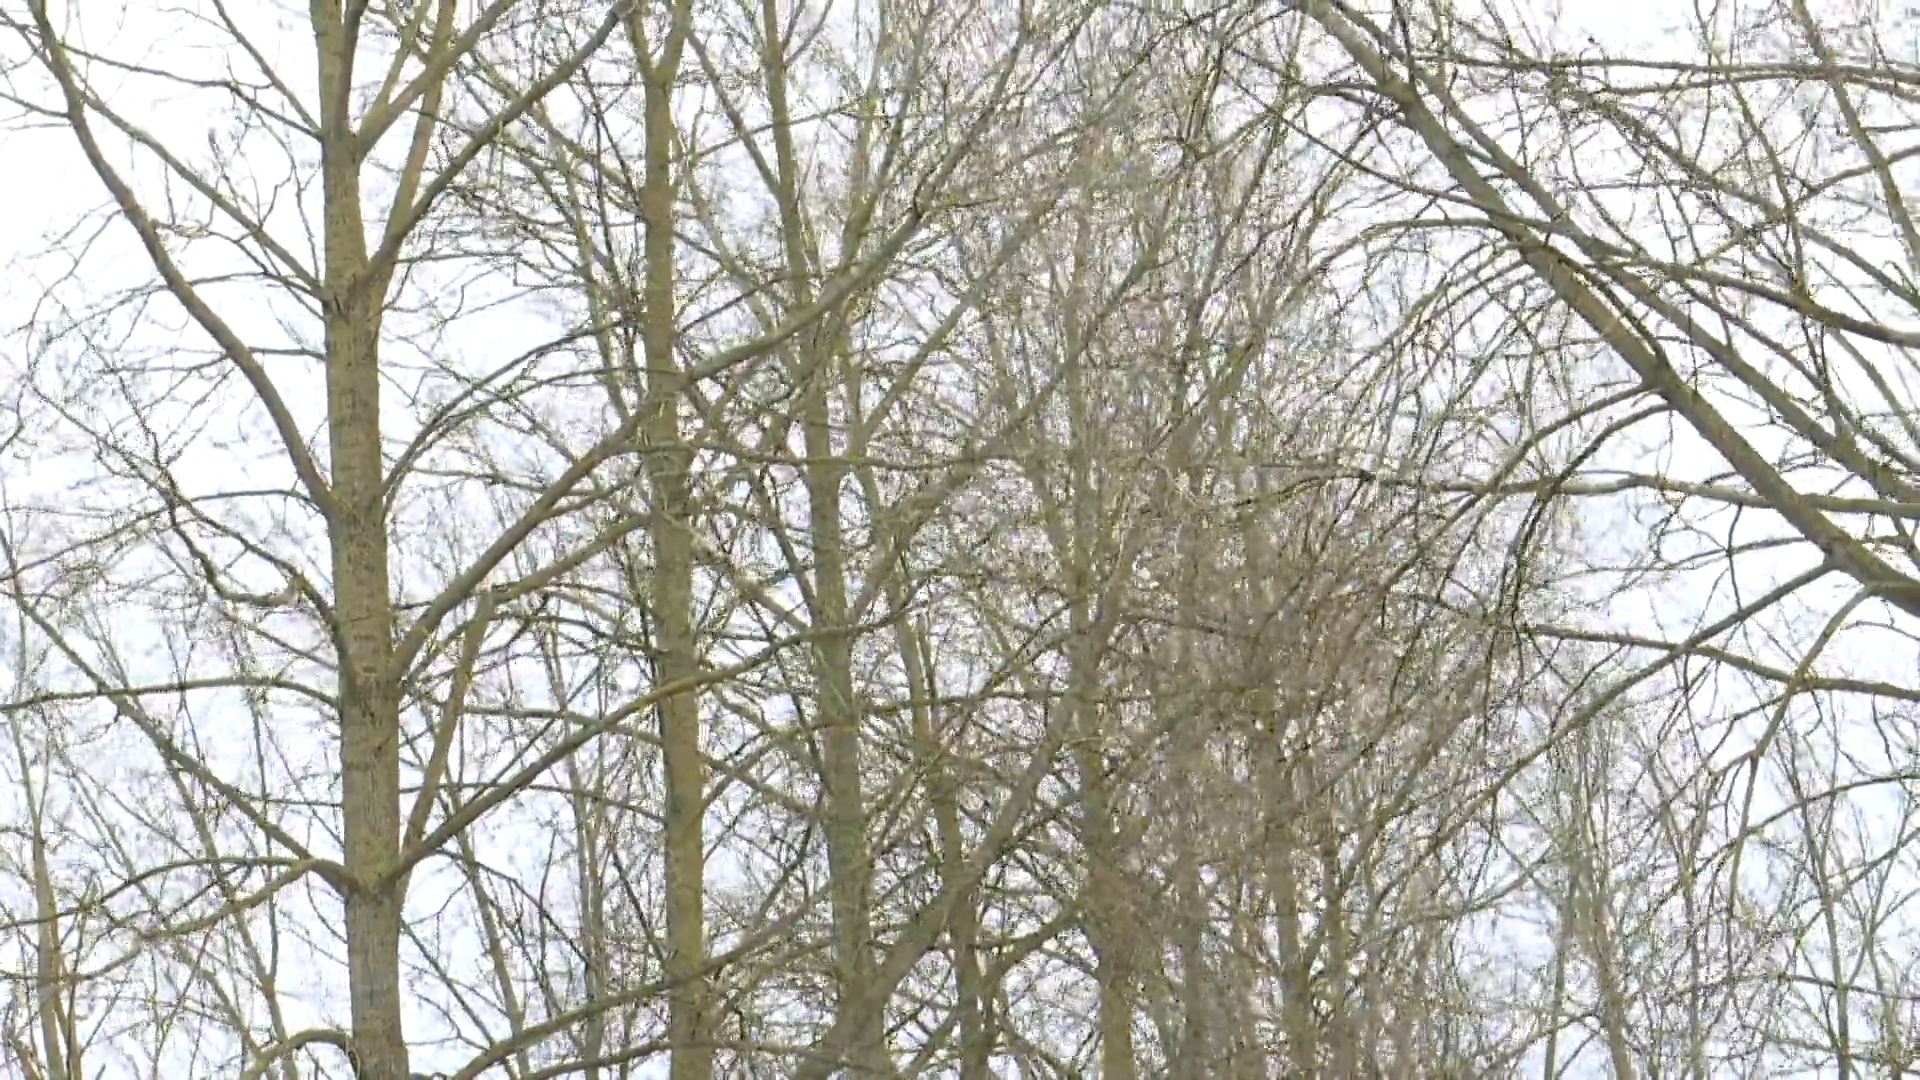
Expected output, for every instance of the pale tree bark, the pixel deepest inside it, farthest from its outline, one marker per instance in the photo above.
(1764, 319)
(669, 462)
(877, 223)
(352, 293)
(814, 366)
(1027, 542)
(347, 287)
(1112, 930)
(837, 413)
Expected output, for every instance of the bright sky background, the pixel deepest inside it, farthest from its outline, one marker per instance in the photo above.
(48, 187)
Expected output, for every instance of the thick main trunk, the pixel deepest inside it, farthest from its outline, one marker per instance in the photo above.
(1296, 962)
(373, 973)
(1103, 898)
(1195, 1055)
(369, 703)
(1106, 923)
(687, 1026)
(668, 464)
(838, 715)
(352, 296)
(837, 710)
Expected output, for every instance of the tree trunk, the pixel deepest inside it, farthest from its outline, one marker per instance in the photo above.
(669, 461)
(1104, 892)
(369, 708)
(352, 294)
(837, 709)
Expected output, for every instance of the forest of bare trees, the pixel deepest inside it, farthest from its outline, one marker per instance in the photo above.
(1215, 539)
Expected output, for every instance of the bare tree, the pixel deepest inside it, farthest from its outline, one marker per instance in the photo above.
(902, 539)
(1703, 238)
(396, 110)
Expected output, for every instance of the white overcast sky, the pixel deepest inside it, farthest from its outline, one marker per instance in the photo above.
(46, 188)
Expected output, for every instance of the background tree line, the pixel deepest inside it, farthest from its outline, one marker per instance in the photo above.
(987, 539)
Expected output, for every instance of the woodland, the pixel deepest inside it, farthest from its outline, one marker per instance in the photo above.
(973, 539)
